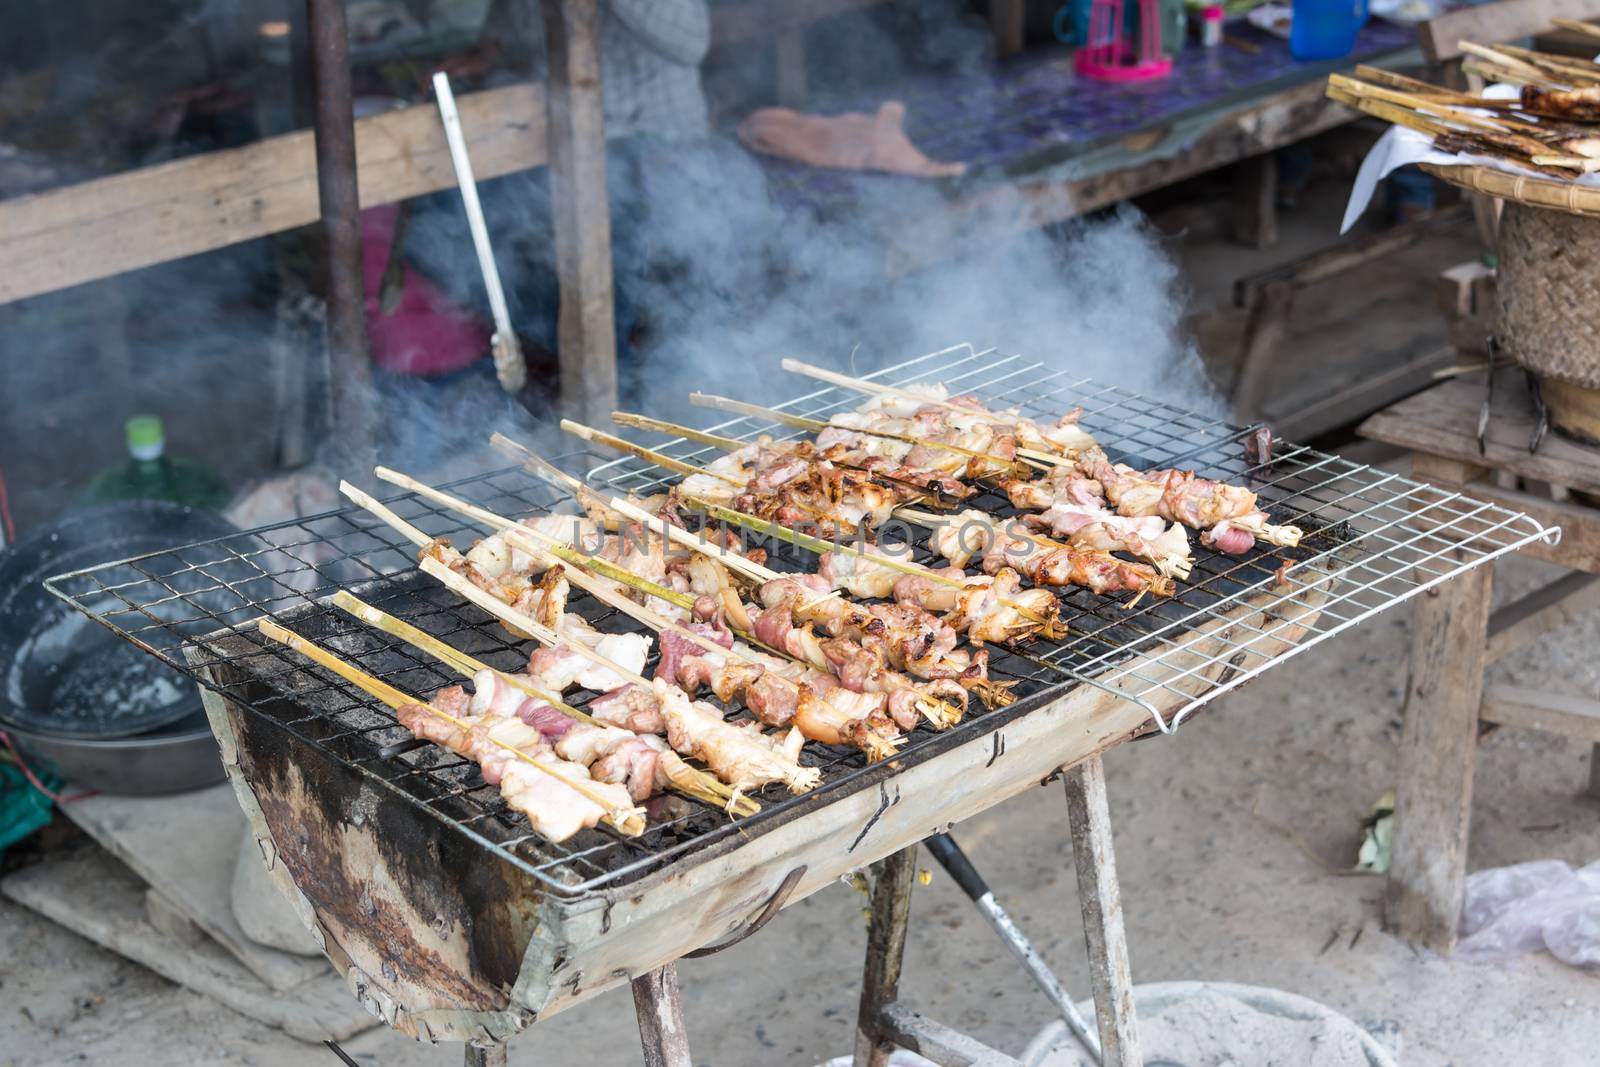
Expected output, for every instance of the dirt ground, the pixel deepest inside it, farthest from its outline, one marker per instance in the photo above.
(1229, 838)
(1230, 841)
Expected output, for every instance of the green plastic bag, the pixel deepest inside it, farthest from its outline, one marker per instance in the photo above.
(23, 809)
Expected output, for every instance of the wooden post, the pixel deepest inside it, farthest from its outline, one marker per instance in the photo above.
(350, 372)
(1594, 771)
(658, 1003)
(1264, 332)
(1433, 799)
(886, 948)
(1255, 201)
(1007, 20)
(1110, 974)
(586, 337)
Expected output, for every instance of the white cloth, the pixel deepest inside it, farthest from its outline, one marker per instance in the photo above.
(1401, 146)
(650, 53)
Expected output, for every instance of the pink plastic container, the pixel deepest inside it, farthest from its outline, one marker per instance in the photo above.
(1109, 56)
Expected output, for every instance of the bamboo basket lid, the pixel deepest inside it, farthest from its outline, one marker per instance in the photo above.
(1535, 192)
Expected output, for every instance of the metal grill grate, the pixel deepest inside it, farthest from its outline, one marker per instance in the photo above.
(195, 607)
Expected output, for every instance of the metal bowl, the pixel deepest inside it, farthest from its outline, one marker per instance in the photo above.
(176, 759)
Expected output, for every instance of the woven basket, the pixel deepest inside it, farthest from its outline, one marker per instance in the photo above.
(1548, 279)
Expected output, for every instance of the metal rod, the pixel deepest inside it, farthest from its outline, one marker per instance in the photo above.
(658, 1003)
(960, 868)
(350, 372)
(508, 364)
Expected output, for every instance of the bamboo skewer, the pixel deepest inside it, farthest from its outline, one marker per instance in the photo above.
(589, 433)
(1400, 116)
(862, 385)
(685, 779)
(1508, 62)
(800, 422)
(1577, 26)
(1050, 627)
(630, 821)
(531, 540)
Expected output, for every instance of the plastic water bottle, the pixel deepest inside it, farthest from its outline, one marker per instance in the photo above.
(1325, 29)
(150, 474)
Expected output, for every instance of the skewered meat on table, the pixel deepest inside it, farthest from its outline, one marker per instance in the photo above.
(555, 808)
(740, 755)
(1009, 545)
(1227, 513)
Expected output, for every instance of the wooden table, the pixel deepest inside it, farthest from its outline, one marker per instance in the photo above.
(1455, 636)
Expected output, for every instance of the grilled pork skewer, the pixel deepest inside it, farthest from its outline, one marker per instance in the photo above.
(900, 636)
(1039, 443)
(985, 608)
(871, 573)
(754, 758)
(743, 757)
(776, 692)
(558, 797)
(1227, 513)
(611, 753)
(980, 464)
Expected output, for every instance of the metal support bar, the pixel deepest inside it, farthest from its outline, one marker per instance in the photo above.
(658, 1003)
(350, 372)
(1110, 974)
(886, 948)
(955, 862)
(486, 1055)
(586, 336)
(937, 1042)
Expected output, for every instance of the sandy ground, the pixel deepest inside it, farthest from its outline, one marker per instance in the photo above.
(1214, 888)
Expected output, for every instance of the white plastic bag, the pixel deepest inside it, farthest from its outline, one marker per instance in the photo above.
(1533, 906)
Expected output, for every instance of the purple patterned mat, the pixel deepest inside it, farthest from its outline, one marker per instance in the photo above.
(1023, 116)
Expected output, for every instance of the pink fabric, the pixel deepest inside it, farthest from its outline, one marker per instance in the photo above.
(428, 334)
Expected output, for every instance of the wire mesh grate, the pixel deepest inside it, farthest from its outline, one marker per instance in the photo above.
(1373, 540)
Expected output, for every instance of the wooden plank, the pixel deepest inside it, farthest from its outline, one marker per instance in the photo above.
(658, 1003)
(1110, 971)
(935, 1041)
(91, 894)
(1579, 547)
(1443, 421)
(99, 228)
(892, 879)
(1533, 709)
(586, 332)
(1495, 24)
(1547, 608)
(753, 19)
(1438, 745)
(1362, 394)
(996, 212)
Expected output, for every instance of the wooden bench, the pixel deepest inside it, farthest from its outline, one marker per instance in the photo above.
(1455, 636)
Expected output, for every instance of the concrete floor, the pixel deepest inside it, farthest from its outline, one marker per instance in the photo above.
(1214, 887)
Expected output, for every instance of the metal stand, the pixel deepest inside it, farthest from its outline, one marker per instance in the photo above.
(884, 1024)
(486, 1055)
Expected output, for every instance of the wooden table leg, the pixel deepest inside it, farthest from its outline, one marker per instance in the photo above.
(1110, 975)
(886, 947)
(1594, 771)
(658, 1003)
(1265, 330)
(1255, 201)
(1433, 798)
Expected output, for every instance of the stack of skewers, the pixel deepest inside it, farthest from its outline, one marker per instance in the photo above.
(860, 648)
(1552, 127)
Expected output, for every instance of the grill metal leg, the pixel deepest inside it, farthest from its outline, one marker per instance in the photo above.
(659, 1005)
(486, 1055)
(1110, 975)
(886, 949)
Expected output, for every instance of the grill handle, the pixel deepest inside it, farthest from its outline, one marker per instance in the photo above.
(773, 905)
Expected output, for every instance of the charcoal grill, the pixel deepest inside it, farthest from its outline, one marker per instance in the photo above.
(450, 919)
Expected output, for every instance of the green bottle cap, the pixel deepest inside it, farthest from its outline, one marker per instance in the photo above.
(146, 438)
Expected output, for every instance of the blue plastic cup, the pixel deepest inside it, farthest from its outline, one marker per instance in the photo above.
(1325, 29)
